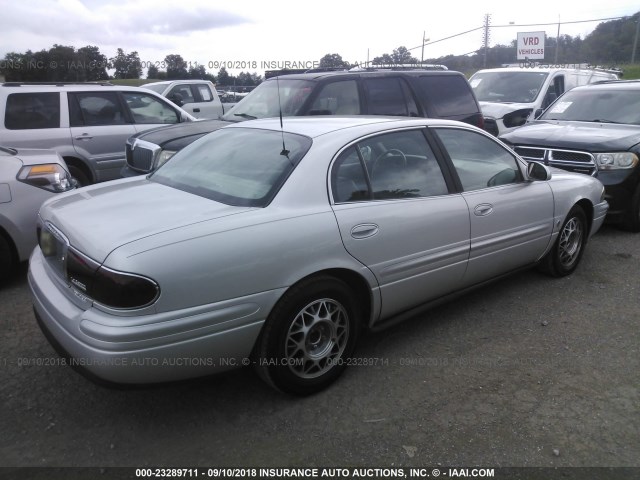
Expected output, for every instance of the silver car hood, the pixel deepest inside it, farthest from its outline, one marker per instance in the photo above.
(98, 219)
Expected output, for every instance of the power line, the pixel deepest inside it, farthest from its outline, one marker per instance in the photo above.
(517, 25)
(563, 23)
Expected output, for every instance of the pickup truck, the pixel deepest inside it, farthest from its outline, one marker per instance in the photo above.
(198, 97)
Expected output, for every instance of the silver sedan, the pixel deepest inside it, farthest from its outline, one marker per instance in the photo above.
(276, 246)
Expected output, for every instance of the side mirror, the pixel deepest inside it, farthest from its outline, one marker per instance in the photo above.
(538, 172)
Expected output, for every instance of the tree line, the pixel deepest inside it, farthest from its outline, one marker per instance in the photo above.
(610, 43)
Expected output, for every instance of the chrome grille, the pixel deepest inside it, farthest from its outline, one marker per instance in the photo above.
(572, 160)
(141, 154)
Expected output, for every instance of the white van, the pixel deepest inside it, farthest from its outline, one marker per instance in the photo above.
(511, 96)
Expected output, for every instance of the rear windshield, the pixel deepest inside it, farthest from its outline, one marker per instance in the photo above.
(268, 97)
(449, 95)
(235, 166)
(507, 87)
(156, 88)
(597, 105)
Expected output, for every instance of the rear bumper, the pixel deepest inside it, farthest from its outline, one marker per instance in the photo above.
(150, 348)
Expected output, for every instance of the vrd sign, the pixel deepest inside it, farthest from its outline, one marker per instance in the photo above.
(530, 45)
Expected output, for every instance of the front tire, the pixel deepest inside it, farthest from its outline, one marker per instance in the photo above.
(309, 336)
(567, 251)
(79, 176)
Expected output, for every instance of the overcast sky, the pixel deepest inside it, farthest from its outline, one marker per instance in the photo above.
(258, 31)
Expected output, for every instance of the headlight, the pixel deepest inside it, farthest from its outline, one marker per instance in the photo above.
(616, 160)
(517, 118)
(163, 157)
(49, 176)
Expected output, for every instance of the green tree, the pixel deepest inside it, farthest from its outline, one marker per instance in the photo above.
(91, 64)
(200, 73)
(61, 64)
(224, 78)
(399, 56)
(152, 72)
(176, 67)
(126, 65)
(333, 60)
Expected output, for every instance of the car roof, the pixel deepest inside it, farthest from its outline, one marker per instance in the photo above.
(362, 73)
(167, 82)
(545, 70)
(612, 85)
(67, 87)
(316, 126)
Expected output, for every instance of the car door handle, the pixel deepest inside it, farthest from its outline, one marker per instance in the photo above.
(84, 136)
(483, 209)
(364, 230)
(196, 110)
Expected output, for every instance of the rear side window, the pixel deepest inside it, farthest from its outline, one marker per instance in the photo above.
(448, 95)
(148, 109)
(32, 111)
(337, 98)
(205, 93)
(95, 108)
(388, 96)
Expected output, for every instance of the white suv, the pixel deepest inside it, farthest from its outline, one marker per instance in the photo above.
(87, 124)
(27, 179)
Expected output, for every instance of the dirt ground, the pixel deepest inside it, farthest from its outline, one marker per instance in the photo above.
(529, 371)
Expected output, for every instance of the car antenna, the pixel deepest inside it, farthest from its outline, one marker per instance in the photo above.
(284, 151)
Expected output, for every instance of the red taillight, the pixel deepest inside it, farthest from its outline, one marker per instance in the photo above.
(109, 287)
(123, 290)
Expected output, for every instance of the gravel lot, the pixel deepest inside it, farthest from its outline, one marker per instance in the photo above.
(529, 371)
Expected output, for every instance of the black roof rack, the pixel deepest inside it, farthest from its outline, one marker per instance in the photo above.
(57, 84)
(399, 67)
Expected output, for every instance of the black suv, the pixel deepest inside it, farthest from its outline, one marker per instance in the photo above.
(409, 93)
(593, 130)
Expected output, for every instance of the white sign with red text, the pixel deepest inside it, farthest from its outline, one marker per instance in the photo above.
(530, 45)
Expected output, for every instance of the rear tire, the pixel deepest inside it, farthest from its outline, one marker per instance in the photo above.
(566, 253)
(8, 259)
(309, 336)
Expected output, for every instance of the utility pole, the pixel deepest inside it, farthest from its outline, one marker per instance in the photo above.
(424, 40)
(485, 37)
(635, 41)
(557, 41)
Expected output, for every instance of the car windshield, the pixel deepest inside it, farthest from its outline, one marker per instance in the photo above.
(597, 105)
(264, 100)
(235, 166)
(507, 87)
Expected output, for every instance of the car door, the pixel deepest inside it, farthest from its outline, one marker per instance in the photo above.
(511, 219)
(397, 217)
(99, 129)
